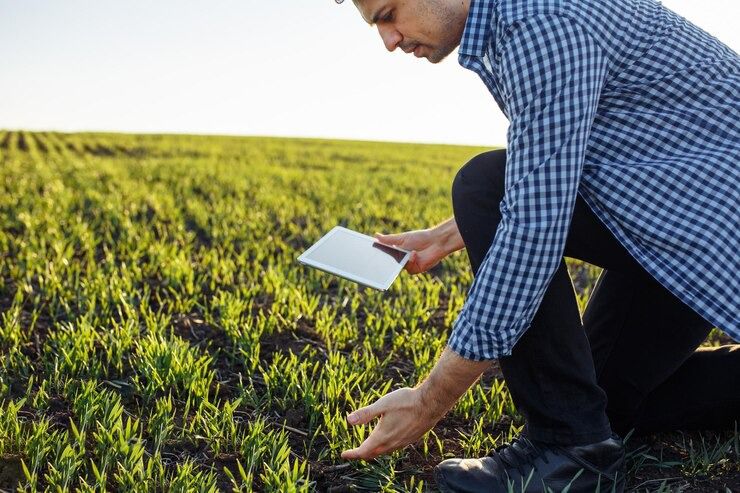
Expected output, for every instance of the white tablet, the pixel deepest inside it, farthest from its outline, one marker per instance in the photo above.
(356, 257)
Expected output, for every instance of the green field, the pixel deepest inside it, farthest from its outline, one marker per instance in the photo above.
(157, 334)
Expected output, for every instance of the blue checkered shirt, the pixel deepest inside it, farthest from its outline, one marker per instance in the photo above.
(635, 108)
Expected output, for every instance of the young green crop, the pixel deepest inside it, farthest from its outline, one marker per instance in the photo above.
(157, 333)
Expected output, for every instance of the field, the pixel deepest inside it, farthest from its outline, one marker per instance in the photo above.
(157, 334)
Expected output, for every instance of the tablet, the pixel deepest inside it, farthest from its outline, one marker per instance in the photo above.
(356, 257)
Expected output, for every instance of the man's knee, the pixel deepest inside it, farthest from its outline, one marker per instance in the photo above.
(481, 179)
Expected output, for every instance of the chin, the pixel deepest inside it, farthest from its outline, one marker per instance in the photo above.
(438, 55)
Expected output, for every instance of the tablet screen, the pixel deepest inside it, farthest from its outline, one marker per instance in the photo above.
(348, 252)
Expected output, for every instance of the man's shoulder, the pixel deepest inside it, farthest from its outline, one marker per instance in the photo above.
(586, 12)
(596, 16)
(510, 11)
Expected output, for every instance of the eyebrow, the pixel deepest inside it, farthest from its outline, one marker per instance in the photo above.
(376, 16)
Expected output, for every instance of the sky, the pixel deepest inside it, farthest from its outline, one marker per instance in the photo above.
(249, 67)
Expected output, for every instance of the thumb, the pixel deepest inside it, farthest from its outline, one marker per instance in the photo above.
(412, 266)
(365, 414)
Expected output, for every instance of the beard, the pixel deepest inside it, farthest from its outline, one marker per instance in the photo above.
(449, 22)
(439, 54)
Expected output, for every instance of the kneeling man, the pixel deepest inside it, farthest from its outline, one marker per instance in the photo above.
(622, 151)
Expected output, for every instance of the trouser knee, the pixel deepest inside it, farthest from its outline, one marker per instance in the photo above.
(479, 183)
(477, 191)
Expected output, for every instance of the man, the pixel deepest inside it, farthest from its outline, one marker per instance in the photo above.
(623, 150)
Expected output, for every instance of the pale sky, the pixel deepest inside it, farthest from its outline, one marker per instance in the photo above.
(249, 67)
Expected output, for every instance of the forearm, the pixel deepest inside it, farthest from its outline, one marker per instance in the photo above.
(449, 236)
(450, 378)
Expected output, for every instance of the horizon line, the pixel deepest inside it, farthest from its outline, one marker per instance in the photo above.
(227, 134)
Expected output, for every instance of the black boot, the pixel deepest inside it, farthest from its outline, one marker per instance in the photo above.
(533, 467)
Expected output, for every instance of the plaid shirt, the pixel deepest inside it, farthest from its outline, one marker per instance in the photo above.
(635, 108)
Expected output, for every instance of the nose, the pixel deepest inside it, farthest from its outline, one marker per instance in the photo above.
(391, 38)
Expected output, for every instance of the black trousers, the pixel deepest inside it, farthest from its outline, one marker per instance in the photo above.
(631, 363)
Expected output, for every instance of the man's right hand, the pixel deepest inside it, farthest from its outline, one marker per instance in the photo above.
(428, 246)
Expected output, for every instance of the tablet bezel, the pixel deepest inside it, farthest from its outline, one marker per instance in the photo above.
(303, 258)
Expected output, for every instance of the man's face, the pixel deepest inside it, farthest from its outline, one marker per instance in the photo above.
(426, 28)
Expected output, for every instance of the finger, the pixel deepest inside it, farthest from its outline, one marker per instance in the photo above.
(392, 239)
(414, 266)
(369, 449)
(410, 265)
(351, 454)
(365, 414)
(357, 453)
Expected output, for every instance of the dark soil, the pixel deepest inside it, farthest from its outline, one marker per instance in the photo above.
(672, 448)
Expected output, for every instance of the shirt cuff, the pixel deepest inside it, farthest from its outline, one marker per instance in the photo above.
(480, 343)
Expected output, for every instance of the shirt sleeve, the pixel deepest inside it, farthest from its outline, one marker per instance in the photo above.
(551, 72)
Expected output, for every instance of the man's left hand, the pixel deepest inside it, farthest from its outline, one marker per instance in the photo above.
(406, 414)
(403, 420)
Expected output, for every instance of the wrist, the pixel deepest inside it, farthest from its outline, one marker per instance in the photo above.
(448, 236)
(429, 398)
(450, 378)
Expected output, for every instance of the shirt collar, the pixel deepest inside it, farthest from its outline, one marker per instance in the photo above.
(477, 27)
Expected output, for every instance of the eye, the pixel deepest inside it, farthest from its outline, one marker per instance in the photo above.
(388, 17)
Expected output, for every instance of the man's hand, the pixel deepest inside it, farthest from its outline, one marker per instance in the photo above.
(406, 414)
(428, 246)
(403, 420)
